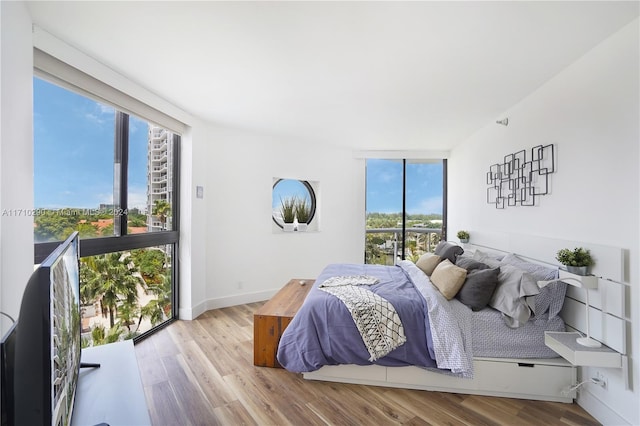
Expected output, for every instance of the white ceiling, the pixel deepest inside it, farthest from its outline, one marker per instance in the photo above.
(367, 75)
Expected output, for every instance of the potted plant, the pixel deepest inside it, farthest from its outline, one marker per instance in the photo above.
(288, 212)
(463, 236)
(577, 260)
(303, 213)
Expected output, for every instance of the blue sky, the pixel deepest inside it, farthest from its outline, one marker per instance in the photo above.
(384, 187)
(73, 151)
(73, 161)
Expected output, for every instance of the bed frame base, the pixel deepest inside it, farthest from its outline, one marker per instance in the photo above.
(537, 379)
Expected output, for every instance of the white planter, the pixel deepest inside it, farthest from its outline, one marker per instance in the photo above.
(288, 227)
(302, 227)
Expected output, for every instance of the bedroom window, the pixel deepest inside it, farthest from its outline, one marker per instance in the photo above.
(404, 208)
(113, 177)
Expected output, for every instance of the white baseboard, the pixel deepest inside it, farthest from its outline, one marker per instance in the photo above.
(599, 410)
(223, 302)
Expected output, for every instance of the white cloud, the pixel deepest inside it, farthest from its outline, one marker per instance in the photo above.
(137, 198)
(428, 206)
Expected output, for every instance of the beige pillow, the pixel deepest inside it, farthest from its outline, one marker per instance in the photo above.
(428, 262)
(448, 278)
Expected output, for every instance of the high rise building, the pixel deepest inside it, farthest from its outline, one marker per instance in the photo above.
(160, 175)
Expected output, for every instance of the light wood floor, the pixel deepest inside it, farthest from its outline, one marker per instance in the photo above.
(201, 372)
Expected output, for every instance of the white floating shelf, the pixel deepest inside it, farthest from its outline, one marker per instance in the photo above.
(588, 281)
(564, 343)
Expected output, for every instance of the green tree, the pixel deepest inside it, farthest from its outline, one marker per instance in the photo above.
(115, 279)
(151, 263)
(158, 309)
(101, 336)
(137, 220)
(162, 210)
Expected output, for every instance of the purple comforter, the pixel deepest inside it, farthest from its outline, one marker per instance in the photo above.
(323, 332)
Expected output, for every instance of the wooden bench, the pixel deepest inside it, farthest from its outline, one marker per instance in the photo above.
(271, 319)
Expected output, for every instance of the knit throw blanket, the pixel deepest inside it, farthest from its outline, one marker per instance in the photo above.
(376, 318)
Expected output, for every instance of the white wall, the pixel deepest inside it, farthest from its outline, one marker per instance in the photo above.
(247, 261)
(591, 112)
(16, 155)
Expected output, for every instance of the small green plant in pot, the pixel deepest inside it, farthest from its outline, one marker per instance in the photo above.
(463, 236)
(303, 213)
(288, 212)
(577, 260)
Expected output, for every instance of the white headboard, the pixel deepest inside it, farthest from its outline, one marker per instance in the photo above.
(608, 314)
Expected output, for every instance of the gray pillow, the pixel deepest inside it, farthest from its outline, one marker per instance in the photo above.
(537, 271)
(512, 295)
(448, 251)
(483, 257)
(470, 264)
(478, 288)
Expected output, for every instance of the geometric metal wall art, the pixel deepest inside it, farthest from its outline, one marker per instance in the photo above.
(518, 180)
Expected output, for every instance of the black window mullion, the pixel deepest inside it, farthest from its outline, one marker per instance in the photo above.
(121, 171)
(404, 205)
(175, 225)
(444, 200)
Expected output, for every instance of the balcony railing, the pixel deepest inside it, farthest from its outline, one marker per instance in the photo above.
(417, 242)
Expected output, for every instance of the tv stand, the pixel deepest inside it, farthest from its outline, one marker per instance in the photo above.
(89, 365)
(112, 394)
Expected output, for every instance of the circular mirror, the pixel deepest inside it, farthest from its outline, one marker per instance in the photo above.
(292, 200)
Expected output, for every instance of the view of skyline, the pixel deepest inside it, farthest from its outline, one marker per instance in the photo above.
(74, 151)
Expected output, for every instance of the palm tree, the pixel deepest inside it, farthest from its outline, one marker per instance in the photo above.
(159, 308)
(162, 209)
(115, 280)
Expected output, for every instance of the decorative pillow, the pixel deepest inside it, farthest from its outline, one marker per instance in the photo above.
(512, 293)
(470, 264)
(478, 288)
(428, 262)
(550, 299)
(448, 278)
(485, 258)
(539, 272)
(448, 251)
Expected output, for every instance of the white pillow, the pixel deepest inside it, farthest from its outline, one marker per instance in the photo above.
(448, 278)
(428, 262)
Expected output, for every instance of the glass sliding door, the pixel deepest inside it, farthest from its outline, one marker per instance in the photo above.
(423, 207)
(384, 211)
(404, 209)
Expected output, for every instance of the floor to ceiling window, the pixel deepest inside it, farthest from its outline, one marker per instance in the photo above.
(404, 208)
(113, 177)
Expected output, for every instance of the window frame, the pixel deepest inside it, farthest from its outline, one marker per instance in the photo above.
(403, 231)
(123, 241)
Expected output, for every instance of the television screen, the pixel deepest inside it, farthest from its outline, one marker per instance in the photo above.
(46, 346)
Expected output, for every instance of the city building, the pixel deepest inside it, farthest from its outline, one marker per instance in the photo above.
(160, 178)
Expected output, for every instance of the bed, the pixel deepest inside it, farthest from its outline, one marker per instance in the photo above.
(450, 342)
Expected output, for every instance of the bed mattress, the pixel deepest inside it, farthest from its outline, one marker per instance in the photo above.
(493, 339)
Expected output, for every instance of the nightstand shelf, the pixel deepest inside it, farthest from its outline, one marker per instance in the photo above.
(588, 281)
(564, 343)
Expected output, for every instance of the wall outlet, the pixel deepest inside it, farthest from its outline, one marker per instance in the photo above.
(602, 380)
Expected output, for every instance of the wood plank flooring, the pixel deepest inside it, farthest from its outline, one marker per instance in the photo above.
(201, 372)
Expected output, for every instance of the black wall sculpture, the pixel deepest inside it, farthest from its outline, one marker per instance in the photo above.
(518, 181)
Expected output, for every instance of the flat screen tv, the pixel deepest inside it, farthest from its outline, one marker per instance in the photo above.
(41, 353)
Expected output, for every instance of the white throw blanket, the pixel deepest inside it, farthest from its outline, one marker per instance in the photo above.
(349, 280)
(376, 318)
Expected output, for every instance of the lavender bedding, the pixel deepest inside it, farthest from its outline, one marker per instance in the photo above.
(324, 333)
(438, 331)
